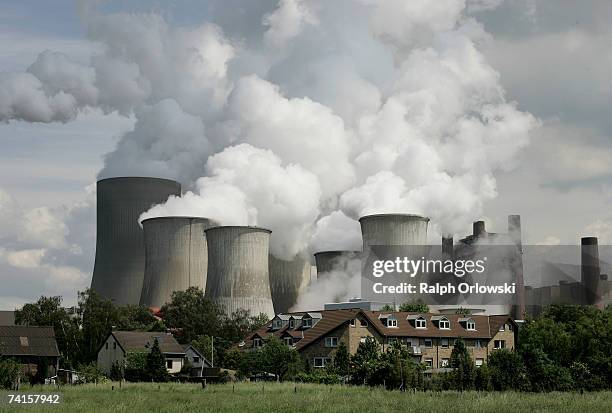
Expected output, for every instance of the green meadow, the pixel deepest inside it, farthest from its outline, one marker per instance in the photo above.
(291, 397)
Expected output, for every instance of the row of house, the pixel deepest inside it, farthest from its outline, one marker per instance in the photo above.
(429, 337)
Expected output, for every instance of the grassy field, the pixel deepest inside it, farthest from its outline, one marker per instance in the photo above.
(288, 397)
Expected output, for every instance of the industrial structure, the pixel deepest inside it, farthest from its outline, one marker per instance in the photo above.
(176, 257)
(238, 272)
(329, 261)
(393, 229)
(584, 284)
(288, 279)
(120, 254)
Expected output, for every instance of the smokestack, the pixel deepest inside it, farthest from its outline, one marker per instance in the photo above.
(328, 261)
(478, 229)
(176, 257)
(238, 274)
(515, 234)
(448, 246)
(120, 258)
(590, 273)
(288, 279)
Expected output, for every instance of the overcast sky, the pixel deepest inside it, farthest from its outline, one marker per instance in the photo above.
(552, 57)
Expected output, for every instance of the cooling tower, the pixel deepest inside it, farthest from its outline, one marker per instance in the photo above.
(238, 274)
(288, 279)
(120, 258)
(590, 276)
(393, 229)
(176, 257)
(328, 261)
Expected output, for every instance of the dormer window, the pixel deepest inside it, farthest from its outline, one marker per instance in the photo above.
(277, 323)
(292, 323)
(307, 322)
(444, 324)
(257, 342)
(420, 322)
(391, 322)
(289, 341)
(470, 325)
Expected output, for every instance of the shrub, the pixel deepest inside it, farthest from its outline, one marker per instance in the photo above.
(9, 373)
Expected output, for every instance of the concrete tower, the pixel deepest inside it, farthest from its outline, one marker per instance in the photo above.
(120, 259)
(176, 257)
(288, 279)
(590, 271)
(328, 261)
(238, 273)
(393, 229)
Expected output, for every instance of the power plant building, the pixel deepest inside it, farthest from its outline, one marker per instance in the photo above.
(176, 257)
(238, 269)
(120, 254)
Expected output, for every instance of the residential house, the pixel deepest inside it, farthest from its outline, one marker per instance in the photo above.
(119, 343)
(32, 347)
(429, 337)
(197, 361)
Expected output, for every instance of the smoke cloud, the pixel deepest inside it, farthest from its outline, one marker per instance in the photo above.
(318, 114)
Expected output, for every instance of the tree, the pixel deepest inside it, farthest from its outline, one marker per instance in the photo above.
(205, 345)
(47, 311)
(417, 306)
(365, 364)
(341, 360)
(482, 378)
(507, 370)
(192, 314)
(155, 366)
(276, 357)
(99, 316)
(463, 366)
(9, 373)
(135, 366)
(388, 307)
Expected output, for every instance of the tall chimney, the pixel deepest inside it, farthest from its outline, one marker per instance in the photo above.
(478, 228)
(590, 276)
(514, 232)
(448, 245)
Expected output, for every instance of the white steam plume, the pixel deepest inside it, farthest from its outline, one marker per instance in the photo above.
(325, 112)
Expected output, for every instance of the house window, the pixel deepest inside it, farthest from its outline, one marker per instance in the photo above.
(477, 343)
(444, 324)
(363, 323)
(257, 342)
(444, 362)
(353, 322)
(391, 322)
(320, 362)
(479, 362)
(509, 327)
(196, 359)
(114, 345)
(276, 324)
(307, 322)
(291, 323)
(444, 343)
(429, 362)
(289, 341)
(409, 342)
(331, 341)
(169, 364)
(499, 344)
(420, 323)
(471, 325)
(428, 343)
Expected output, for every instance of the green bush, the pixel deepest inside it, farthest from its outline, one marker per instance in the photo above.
(89, 373)
(9, 373)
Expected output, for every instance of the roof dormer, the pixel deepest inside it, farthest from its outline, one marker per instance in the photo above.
(389, 320)
(442, 322)
(417, 320)
(279, 321)
(310, 319)
(468, 323)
